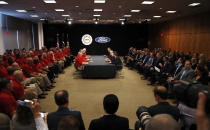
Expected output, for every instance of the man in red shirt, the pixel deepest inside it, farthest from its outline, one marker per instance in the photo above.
(8, 104)
(80, 61)
(18, 88)
(3, 70)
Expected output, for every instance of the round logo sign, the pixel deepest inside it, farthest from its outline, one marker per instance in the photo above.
(87, 39)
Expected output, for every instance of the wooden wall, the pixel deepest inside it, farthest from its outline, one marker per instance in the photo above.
(190, 33)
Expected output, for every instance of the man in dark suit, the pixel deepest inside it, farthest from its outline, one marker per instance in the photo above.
(61, 99)
(163, 107)
(110, 121)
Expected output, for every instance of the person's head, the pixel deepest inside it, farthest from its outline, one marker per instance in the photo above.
(111, 103)
(79, 53)
(159, 55)
(160, 93)
(1, 60)
(61, 98)
(15, 65)
(193, 60)
(6, 84)
(10, 70)
(36, 59)
(180, 61)
(187, 64)
(4, 122)
(30, 61)
(18, 75)
(162, 122)
(69, 123)
(165, 58)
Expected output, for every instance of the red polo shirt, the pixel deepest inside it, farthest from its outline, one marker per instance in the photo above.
(3, 72)
(8, 103)
(28, 69)
(79, 61)
(18, 89)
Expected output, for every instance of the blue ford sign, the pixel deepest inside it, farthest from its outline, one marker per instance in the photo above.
(102, 39)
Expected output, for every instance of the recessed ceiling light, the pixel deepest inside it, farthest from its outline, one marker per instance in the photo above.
(69, 22)
(21, 11)
(99, 1)
(77, 6)
(98, 10)
(127, 15)
(59, 10)
(122, 23)
(157, 16)
(147, 2)
(96, 15)
(96, 22)
(121, 19)
(65, 15)
(34, 16)
(171, 12)
(49, 1)
(70, 19)
(42, 19)
(3, 2)
(194, 4)
(135, 11)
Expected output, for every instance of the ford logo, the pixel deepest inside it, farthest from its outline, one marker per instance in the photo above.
(102, 39)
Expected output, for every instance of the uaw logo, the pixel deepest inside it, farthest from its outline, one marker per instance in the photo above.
(87, 39)
(102, 39)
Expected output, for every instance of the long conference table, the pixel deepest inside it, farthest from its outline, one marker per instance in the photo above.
(98, 68)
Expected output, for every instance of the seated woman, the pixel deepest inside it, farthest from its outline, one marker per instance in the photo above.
(28, 116)
(80, 61)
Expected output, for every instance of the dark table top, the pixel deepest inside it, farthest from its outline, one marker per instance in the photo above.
(97, 60)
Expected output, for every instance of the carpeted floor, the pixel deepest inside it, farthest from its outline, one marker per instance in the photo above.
(86, 95)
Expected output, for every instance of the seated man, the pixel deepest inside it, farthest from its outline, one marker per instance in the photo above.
(163, 107)
(8, 104)
(80, 61)
(61, 99)
(69, 123)
(110, 121)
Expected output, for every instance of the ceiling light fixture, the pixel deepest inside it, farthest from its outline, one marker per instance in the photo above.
(96, 22)
(147, 2)
(194, 4)
(147, 20)
(96, 15)
(135, 11)
(21, 11)
(98, 10)
(121, 19)
(122, 23)
(65, 15)
(59, 10)
(34, 16)
(171, 12)
(100, 1)
(77, 6)
(49, 1)
(69, 22)
(127, 15)
(42, 19)
(157, 16)
(3, 2)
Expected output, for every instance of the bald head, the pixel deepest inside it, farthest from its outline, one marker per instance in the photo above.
(18, 75)
(161, 91)
(15, 65)
(162, 122)
(29, 60)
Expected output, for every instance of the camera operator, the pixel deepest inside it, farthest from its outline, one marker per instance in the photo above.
(28, 116)
(163, 107)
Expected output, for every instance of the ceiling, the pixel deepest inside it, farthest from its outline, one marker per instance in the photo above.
(113, 10)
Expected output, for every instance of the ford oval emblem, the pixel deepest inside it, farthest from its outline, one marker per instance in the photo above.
(102, 39)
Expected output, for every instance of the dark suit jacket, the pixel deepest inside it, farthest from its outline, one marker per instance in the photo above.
(177, 70)
(109, 122)
(164, 108)
(54, 117)
(188, 75)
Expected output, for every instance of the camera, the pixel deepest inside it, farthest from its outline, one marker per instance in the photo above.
(26, 103)
(187, 92)
(143, 116)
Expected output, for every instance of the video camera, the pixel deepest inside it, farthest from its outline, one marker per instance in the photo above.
(26, 103)
(143, 116)
(187, 92)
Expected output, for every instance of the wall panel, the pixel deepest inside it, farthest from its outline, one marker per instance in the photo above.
(190, 33)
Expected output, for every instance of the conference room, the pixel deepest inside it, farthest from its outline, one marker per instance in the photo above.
(104, 65)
